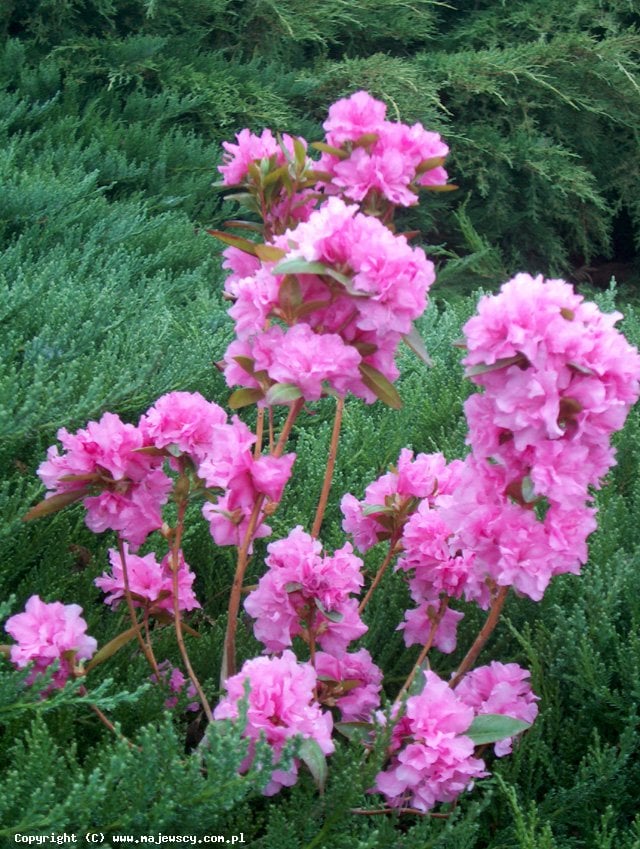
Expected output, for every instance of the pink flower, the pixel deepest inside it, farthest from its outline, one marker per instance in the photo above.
(150, 582)
(281, 705)
(47, 632)
(352, 681)
(184, 419)
(130, 486)
(352, 117)
(432, 758)
(499, 688)
(306, 593)
(418, 623)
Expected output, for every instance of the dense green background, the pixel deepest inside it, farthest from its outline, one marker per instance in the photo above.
(111, 118)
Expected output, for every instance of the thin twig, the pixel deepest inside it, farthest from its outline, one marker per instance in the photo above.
(229, 653)
(146, 650)
(393, 550)
(175, 564)
(435, 622)
(492, 620)
(328, 475)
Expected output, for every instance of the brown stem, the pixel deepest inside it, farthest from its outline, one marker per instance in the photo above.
(377, 811)
(229, 653)
(271, 436)
(146, 650)
(492, 620)
(105, 721)
(177, 620)
(393, 550)
(259, 433)
(328, 475)
(435, 622)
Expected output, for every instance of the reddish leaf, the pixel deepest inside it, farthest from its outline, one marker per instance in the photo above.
(381, 387)
(244, 398)
(54, 503)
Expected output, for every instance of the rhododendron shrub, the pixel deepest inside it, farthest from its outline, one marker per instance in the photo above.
(321, 299)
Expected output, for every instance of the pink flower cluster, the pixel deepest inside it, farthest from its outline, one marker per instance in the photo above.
(307, 593)
(391, 499)
(49, 632)
(432, 758)
(150, 582)
(379, 158)
(130, 486)
(499, 688)
(116, 461)
(281, 705)
(351, 681)
(351, 314)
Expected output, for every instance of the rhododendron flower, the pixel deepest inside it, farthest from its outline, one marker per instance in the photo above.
(432, 759)
(352, 117)
(419, 621)
(103, 458)
(427, 476)
(557, 376)
(383, 157)
(150, 582)
(499, 688)
(281, 705)
(251, 148)
(351, 681)
(47, 632)
(184, 419)
(306, 593)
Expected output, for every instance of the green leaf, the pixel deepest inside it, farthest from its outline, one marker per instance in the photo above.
(528, 490)
(111, 648)
(282, 393)
(441, 187)
(380, 386)
(290, 294)
(331, 615)
(246, 363)
(366, 139)
(415, 342)
(327, 148)
(485, 368)
(235, 241)
(269, 253)
(430, 164)
(54, 503)
(312, 755)
(292, 586)
(353, 730)
(491, 727)
(244, 397)
(375, 508)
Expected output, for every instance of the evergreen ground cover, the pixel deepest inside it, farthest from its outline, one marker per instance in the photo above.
(111, 120)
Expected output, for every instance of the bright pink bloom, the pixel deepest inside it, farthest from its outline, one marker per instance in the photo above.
(44, 633)
(499, 688)
(418, 623)
(184, 419)
(304, 591)
(360, 673)
(432, 758)
(130, 486)
(281, 705)
(150, 582)
(352, 117)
